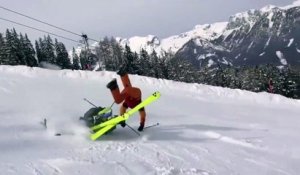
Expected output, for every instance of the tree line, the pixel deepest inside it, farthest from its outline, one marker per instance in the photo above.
(262, 78)
(16, 49)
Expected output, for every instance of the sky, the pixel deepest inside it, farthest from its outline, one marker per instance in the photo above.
(119, 18)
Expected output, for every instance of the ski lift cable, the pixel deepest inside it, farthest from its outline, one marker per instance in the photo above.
(44, 31)
(4, 8)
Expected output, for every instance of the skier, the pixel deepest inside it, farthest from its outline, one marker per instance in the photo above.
(271, 87)
(130, 96)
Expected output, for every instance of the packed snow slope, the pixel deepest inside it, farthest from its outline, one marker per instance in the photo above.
(203, 129)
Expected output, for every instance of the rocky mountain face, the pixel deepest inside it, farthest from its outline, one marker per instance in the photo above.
(270, 35)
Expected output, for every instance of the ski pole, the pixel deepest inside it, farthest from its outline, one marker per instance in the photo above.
(150, 126)
(111, 105)
(133, 130)
(89, 102)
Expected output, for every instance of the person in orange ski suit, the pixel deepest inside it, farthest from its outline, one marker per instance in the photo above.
(130, 96)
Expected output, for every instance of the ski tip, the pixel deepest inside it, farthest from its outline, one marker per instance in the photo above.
(58, 134)
(156, 94)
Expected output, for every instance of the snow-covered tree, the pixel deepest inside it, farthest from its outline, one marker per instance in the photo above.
(76, 62)
(10, 49)
(28, 50)
(62, 57)
(2, 55)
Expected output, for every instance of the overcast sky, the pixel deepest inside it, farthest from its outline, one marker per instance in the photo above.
(123, 18)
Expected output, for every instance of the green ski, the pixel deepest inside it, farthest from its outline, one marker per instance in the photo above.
(105, 126)
(101, 132)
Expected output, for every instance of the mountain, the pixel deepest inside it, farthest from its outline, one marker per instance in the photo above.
(203, 130)
(269, 35)
(173, 43)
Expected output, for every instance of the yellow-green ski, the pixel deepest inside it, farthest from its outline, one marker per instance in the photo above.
(105, 126)
(101, 132)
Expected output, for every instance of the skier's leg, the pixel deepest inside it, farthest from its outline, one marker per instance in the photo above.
(123, 109)
(125, 80)
(115, 91)
(142, 119)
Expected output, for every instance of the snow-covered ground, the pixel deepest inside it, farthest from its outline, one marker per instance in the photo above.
(203, 129)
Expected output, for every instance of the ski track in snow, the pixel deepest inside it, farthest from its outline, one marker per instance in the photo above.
(230, 140)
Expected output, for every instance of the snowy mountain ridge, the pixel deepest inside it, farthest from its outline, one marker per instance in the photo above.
(174, 43)
(252, 37)
(204, 32)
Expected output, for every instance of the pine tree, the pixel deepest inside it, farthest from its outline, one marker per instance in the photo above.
(83, 60)
(288, 84)
(40, 51)
(110, 55)
(10, 50)
(181, 70)
(146, 66)
(49, 49)
(62, 57)
(231, 77)
(131, 60)
(28, 52)
(76, 63)
(2, 55)
(162, 65)
(204, 76)
(104, 53)
(19, 47)
(136, 64)
(45, 50)
(21, 55)
(118, 55)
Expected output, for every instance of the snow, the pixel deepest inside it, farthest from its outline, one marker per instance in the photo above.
(47, 65)
(248, 17)
(296, 3)
(262, 54)
(210, 63)
(270, 20)
(204, 56)
(203, 130)
(249, 47)
(236, 57)
(298, 50)
(138, 43)
(267, 8)
(204, 32)
(290, 42)
(268, 42)
(280, 55)
(224, 61)
(175, 42)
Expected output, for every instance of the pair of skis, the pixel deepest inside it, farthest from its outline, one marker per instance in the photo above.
(102, 128)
